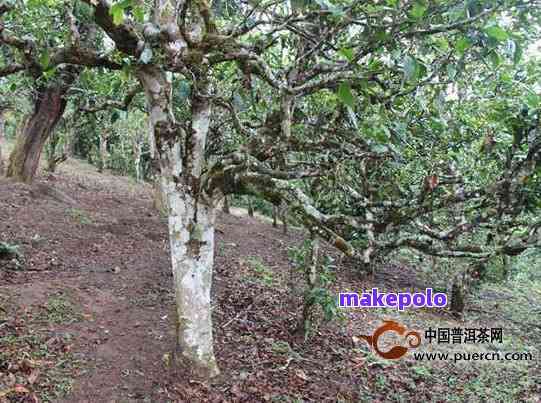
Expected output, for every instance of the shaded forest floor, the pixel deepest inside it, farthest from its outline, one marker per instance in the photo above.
(86, 312)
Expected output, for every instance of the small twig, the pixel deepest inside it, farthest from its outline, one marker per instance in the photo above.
(300, 358)
(237, 316)
(284, 367)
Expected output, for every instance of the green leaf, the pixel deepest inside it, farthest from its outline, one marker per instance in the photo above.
(347, 53)
(117, 12)
(139, 14)
(411, 69)
(533, 100)
(381, 35)
(126, 71)
(442, 44)
(495, 58)
(125, 4)
(517, 56)
(497, 33)
(44, 60)
(421, 70)
(379, 148)
(506, 78)
(49, 73)
(115, 86)
(374, 64)
(461, 45)
(345, 95)
(114, 116)
(418, 10)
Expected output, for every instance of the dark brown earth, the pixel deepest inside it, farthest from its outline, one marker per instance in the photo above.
(96, 256)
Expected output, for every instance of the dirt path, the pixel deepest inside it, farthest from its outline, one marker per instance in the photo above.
(90, 308)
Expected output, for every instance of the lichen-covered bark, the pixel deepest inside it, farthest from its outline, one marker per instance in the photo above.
(369, 217)
(458, 293)
(158, 198)
(191, 218)
(191, 230)
(310, 275)
(104, 138)
(137, 154)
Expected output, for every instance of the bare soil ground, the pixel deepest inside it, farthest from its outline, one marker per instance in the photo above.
(86, 315)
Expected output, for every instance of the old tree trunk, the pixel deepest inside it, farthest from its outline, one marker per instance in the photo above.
(49, 106)
(191, 220)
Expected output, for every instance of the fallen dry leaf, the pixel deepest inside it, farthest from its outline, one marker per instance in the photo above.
(28, 365)
(301, 374)
(15, 389)
(33, 376)
(20, 389)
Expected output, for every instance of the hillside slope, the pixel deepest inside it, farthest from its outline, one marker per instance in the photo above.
(86, 313)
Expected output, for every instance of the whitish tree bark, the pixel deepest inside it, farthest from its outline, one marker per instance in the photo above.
(287, 105)
(104, 137)
(310, 275)
(369, 216)
(191, 220)
(158, 199)
(137, 154)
